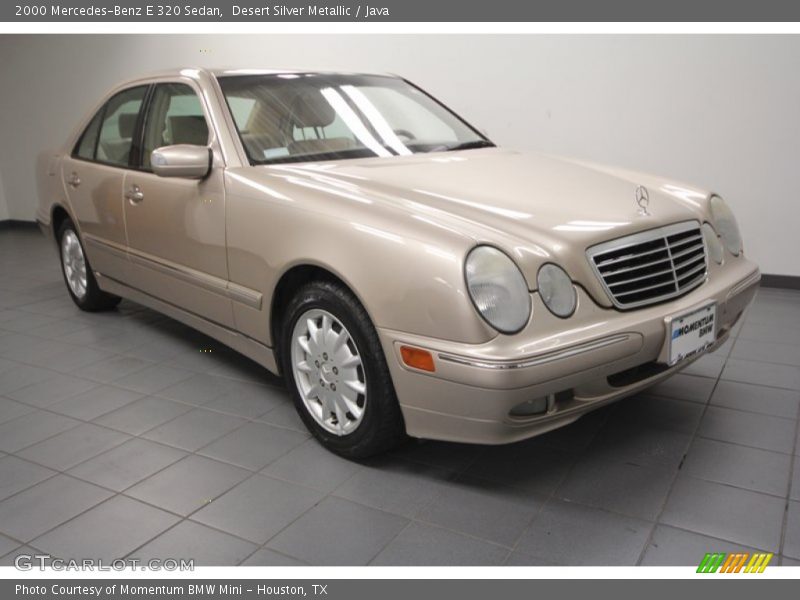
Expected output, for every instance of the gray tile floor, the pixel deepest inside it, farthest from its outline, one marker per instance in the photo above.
(126, 434)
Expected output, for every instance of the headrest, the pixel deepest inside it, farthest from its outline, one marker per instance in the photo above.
(126, 124)
(189, 129)
(311, 109)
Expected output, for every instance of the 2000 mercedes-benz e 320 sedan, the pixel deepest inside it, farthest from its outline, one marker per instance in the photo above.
(404, 274)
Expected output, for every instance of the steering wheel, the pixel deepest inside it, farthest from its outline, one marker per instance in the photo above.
(405, 133)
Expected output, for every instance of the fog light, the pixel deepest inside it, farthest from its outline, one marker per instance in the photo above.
(529, 408)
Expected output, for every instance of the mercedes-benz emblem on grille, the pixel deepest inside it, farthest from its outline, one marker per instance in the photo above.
(643, 200)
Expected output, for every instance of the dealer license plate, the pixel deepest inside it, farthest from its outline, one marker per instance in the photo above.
(691, 333)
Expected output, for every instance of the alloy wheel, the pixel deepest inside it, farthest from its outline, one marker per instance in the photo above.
(74, 263)
(329, 372)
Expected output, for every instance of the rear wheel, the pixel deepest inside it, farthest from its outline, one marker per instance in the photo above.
(81, 283)
(334, 364)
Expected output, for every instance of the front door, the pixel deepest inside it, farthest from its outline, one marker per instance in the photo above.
(176, 226)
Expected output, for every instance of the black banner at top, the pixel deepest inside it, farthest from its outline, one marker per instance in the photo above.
(400, 10)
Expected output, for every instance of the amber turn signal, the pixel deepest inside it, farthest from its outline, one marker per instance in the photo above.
(417, 358)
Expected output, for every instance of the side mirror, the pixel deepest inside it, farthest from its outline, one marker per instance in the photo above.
(182, 160)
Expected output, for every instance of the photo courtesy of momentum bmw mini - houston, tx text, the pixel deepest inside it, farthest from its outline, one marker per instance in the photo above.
(403, 273)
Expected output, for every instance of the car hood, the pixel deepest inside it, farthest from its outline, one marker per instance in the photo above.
(538, 208)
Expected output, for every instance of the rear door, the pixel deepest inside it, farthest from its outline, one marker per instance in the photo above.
(93, 177)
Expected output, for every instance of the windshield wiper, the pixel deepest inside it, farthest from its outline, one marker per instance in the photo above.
(471, 145)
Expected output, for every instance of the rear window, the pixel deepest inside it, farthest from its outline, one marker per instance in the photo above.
(108, 138)
(119, 124)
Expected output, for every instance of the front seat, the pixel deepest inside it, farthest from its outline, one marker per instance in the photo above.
(311, 110)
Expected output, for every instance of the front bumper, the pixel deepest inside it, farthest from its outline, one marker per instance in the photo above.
(474, 388)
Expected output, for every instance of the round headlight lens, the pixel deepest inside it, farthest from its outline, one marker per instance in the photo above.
(725, 224)
(556, 290)
(497, 289)
(715, 249)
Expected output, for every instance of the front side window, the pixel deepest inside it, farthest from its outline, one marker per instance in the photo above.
(305, 117)
(175, 116)
(120, 115)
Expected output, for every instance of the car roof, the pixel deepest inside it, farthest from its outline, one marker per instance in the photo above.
(221, 72)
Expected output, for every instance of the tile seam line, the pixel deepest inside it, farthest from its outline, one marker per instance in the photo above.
(671, 488)
(552, 495)
(788, 497)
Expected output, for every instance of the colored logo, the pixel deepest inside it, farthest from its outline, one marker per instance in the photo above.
(738, 562)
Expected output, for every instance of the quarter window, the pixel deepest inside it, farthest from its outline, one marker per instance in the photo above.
(175, 116)
(88, 141)
(118, 127)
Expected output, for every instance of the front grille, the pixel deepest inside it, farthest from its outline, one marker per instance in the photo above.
(651, 266)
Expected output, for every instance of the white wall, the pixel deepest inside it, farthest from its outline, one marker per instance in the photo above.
(3, 203)
(719, 111)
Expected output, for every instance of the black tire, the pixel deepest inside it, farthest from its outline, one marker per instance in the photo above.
(381, 427)
(94, 299)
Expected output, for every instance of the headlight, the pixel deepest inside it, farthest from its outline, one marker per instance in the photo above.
(725, 224)
(497, 289)
(715, 249)
(556, 290)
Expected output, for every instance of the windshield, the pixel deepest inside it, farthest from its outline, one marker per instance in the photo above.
(306, 117)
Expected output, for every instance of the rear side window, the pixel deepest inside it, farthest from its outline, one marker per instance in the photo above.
(118, 127)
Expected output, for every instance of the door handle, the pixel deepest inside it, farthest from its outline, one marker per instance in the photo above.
(74, 181)
(134, 194)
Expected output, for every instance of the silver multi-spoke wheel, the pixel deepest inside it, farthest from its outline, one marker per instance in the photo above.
(74, 263)
(333, 359)
(329, 372)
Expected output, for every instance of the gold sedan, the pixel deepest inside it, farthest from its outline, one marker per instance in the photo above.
(404, 274)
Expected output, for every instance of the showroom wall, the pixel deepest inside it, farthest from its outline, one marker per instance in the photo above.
(3, 203)
(720, 111)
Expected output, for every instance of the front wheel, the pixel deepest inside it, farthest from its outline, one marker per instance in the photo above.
(81, 284)
(335, 366)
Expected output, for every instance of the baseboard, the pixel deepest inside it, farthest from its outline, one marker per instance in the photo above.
(788, 282)
(17, 224)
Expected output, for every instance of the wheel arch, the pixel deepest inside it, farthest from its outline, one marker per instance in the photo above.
(287, 286)
(58, 215)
